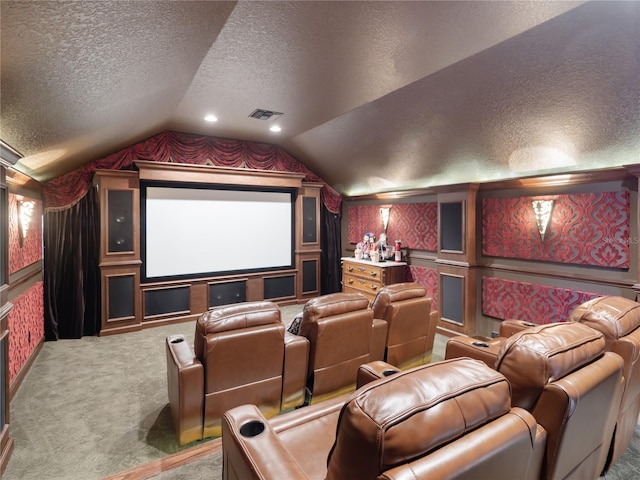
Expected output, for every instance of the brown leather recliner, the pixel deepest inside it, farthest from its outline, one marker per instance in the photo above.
(450, 419)
(342, 336)
(618, 319)
(411, 325)
(242, 355)
(561, 373)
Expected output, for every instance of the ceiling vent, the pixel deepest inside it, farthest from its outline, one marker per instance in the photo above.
(261, 114)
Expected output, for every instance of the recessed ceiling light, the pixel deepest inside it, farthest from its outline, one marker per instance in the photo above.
(275, 128)
(211, 118)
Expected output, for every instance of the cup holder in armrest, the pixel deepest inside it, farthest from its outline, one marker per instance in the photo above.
(252, 428)
(480, 344)
(389, 372)
(177, 340)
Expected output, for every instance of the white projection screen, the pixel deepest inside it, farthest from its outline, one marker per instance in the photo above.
(210, 231)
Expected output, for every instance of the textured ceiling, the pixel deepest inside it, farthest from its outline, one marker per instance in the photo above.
(377, 96)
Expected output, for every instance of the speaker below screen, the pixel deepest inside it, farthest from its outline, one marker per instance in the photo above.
(227, 293)
(277, 287)
(166, 300)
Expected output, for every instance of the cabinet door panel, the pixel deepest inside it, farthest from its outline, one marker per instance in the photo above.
(120, 220)
(309, 220)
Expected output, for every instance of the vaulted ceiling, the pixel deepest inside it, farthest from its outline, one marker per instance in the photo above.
(375, 96)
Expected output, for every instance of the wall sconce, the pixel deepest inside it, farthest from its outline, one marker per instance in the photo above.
(25, 212)
(542, 211)
(384, 214)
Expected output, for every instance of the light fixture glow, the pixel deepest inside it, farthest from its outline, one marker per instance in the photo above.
(275, 128)
(384, 214)
(25, 212)
(542, 211)
(211, 118)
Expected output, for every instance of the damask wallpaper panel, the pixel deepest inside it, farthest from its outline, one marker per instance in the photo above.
(507, 299)
(23, 253)
(428, 278)
(26, 327)
(416, 224)
(585, 229)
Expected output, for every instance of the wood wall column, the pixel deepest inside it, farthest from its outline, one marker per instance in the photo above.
(457, 260)
(120, 262)
(308, 240)
(634, 239)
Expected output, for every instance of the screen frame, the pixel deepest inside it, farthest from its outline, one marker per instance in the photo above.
(144, 184)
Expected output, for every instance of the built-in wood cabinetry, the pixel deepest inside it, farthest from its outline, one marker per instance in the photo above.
(119, 193)
(456, 260)
(308, 240)
(129, 303)
(369, 277)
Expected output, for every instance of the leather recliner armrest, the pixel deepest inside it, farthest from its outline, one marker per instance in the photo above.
(185, 383)
(512, 326)
(378, 340)
(372, 371)
(294, 375)
(434, 318)
(252, 450)
(484, 350)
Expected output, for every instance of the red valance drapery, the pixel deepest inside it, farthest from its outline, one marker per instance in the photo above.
(175, 147)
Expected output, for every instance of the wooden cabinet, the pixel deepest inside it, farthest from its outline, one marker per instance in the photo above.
(369, 277)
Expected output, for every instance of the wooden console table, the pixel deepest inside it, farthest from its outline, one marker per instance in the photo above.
(368, 277)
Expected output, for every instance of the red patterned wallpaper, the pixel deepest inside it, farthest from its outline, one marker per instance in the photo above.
(26, 327)
(416, 224)
(428, 278)
(30, 251)
(586, 229)
(505, 299)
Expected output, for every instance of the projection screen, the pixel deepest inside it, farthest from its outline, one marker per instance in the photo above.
(188, 231)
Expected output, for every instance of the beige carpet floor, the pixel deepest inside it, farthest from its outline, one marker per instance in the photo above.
(96, 406)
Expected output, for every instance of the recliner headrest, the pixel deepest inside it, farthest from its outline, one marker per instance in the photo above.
(406, 415)
(537, 356)
(615, 317)
(396, 292)
(333, 304)
(239, 315)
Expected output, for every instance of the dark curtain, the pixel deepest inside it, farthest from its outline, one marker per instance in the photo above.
(71, 270)
(330, 242)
